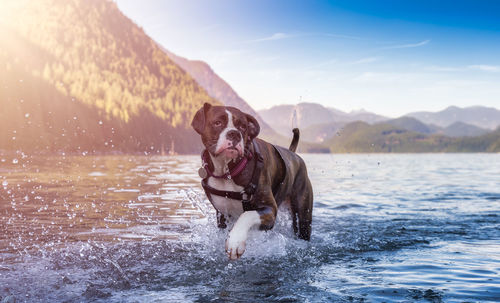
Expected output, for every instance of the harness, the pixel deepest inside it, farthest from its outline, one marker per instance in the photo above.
(247, 194)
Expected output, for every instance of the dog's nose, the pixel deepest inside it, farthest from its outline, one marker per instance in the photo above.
(233, 135)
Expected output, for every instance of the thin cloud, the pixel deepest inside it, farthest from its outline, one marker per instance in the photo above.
(339, 36)
(388, 78)
(365, 60)
(275, 36)
(281, 36)
(486, 68)
(411, 45)
(477, 67)
(324, 63)
(437, 68)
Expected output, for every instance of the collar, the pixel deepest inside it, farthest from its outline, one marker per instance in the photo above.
(235, 171)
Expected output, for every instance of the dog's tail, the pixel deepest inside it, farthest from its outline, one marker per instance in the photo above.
(295, 140)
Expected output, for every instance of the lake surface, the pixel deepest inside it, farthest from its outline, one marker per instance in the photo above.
(386, 228)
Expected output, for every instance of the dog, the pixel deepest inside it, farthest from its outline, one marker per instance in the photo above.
(246, 179)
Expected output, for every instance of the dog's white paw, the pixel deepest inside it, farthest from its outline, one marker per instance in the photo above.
(235, 245)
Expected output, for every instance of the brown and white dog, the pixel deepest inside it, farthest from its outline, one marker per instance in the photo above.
(246, 179)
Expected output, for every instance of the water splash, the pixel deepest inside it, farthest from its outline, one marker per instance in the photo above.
(377, 236)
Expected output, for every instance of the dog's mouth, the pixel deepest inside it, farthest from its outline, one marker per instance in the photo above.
(230, 152)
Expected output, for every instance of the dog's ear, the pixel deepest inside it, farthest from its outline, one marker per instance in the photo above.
(253, 127)
(198, 122)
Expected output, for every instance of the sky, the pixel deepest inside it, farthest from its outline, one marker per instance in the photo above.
(388, 57)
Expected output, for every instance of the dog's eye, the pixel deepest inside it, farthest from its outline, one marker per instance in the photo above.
(218, 123)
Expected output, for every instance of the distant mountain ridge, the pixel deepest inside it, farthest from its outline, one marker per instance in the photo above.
(315, 120)
(480, 116)
(413, 124)
(360, 137)
(461, 129)
(319, 123)
(457, 129)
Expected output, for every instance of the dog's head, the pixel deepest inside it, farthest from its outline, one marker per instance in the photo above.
(225, 130)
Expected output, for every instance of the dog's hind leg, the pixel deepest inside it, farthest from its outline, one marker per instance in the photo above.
(301, 205)
(294, 214)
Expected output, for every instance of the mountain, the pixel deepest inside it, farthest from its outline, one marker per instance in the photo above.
(489, 142)
(317, 123)
(461, 129)
(457, 129)
(365, 116)
(284, 117)
(361, 137)
(79, 76)
(480, 116)
(412, 124)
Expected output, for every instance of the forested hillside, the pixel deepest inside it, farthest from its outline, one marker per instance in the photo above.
(360, 137)
(80, 76)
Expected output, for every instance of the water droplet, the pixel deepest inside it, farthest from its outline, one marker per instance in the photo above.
(27, 115)
(15, 161)
(100, 122)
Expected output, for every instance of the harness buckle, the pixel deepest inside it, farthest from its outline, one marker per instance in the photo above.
(244, 196)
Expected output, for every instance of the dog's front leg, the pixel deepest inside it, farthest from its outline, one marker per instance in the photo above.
(264, 216)
(235, 243)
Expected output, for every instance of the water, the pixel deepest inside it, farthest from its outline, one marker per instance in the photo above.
(393, 228)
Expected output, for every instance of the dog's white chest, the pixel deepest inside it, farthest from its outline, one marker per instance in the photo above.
(228, 207)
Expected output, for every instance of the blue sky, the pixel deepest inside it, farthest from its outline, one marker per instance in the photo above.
(390, 57)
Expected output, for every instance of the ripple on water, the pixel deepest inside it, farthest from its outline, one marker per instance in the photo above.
(402, 232)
